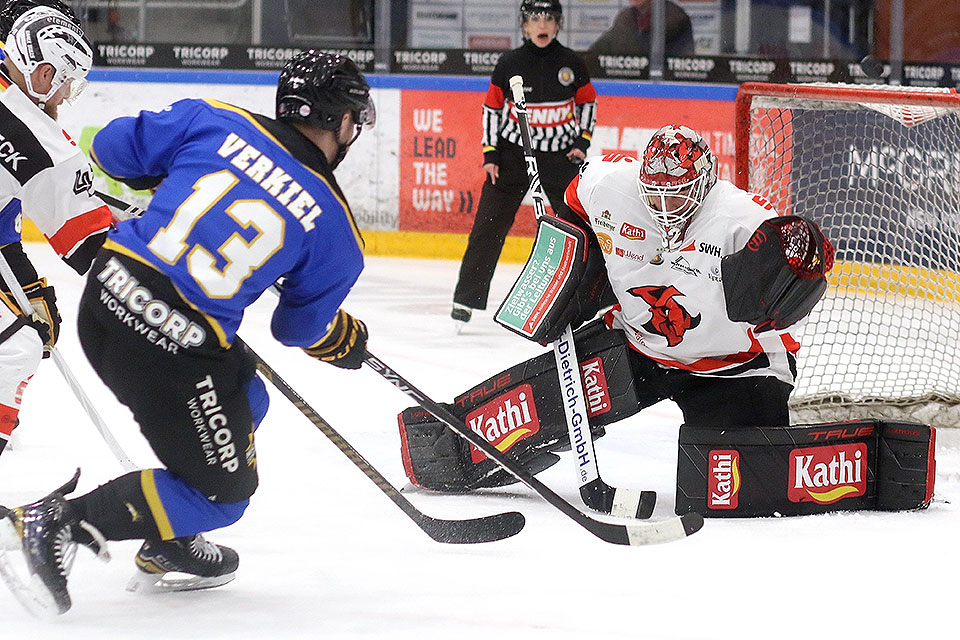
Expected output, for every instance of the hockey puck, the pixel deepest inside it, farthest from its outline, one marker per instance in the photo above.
(871, 67)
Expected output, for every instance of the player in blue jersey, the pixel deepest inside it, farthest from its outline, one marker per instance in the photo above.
(241, 202)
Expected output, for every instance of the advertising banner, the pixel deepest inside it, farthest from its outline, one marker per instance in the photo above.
(441, 171)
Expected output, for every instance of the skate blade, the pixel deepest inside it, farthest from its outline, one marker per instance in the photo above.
(172, 582)
(27, 587)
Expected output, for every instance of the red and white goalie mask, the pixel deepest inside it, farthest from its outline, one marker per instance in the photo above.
(676, 174)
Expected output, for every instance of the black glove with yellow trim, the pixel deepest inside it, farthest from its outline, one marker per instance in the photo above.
(345, 344)
(45, 317)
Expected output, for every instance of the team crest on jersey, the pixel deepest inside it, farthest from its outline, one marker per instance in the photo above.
(667, 317)
(565, 76)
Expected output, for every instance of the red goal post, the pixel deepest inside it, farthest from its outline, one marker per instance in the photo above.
(878, 167)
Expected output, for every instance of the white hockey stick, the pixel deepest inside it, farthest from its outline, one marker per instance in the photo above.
(596, 493)
(21, 298)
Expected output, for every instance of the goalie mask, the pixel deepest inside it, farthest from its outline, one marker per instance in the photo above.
(45, 36)
(676, 174)
(318, 88)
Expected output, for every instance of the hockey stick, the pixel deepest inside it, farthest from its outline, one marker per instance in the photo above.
(125, 210)
(596, 494)
(27, 309)
(633, 533)
(475, 530)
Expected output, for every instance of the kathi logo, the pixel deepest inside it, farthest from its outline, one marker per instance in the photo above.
(723, 479)
(505, 420)
(827, 474)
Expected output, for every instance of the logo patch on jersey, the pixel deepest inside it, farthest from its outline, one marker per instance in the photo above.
(565, 76)
(606, 243)
(667, 317)
(681, 265)
(631, 232)
(603, 221)
(629, 255)
(83, 183)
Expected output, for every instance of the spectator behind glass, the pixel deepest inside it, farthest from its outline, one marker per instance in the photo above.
(631, 31)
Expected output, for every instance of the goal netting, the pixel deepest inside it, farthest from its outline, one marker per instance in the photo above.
(878, 168)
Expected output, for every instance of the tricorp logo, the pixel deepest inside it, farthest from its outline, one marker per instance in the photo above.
(827, 474)
(595, 387)
(505, 420)
(723, 479)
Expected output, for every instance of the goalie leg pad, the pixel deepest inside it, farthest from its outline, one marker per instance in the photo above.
(804, 469)
(520, 412)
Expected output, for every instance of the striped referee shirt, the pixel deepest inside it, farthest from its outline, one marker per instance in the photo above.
(561, 100)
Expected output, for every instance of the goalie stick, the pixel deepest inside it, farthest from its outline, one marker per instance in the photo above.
(475, 530)
(595, 493)
(632, 533)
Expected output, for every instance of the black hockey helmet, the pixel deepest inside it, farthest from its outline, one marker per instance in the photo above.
(13, 9)
(533, 7)
(318, 88)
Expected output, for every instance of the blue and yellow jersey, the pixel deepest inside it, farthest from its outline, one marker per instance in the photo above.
(241, 201)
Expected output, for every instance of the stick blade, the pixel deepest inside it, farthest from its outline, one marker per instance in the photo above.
(474, 530)
(664, 531)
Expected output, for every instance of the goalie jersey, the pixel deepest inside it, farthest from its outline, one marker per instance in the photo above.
(258, 203)
(45, 177)
(670, 303)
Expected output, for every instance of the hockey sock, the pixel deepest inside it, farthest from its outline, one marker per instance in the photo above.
(153, 504)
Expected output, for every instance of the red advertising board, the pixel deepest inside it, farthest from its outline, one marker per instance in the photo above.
(440, 158)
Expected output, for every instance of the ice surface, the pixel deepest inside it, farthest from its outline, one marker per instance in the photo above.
(325, 555)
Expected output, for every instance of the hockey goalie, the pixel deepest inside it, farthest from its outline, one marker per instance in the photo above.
(702, 286)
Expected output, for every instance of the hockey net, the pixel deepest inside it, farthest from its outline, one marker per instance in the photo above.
(878, 167)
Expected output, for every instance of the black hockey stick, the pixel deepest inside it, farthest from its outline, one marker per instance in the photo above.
(595, 493)
(486, 529)
(126, 210)
(632, 533)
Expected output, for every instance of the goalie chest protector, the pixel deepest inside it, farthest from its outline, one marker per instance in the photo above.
(804, 469)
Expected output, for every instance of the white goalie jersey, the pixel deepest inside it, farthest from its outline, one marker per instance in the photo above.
(671, 303)
(45, 177)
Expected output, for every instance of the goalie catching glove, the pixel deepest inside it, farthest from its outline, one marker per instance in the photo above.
(777, 278)
(345, 344)
(45, 317)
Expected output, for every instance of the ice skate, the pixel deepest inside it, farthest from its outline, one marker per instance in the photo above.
(183, 564)
(37, 547)
(461, 316)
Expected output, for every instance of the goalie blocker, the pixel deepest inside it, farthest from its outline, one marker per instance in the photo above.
(520, 412)
(805, 469)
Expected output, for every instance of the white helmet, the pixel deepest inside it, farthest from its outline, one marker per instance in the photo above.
(45, 36)
(677, 164)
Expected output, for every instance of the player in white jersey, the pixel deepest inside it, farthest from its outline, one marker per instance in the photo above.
(706, 282)
(664, 223)
(45, 177)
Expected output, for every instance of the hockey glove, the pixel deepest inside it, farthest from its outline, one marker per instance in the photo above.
(45, 318)
(345, 344)
(777, 278)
